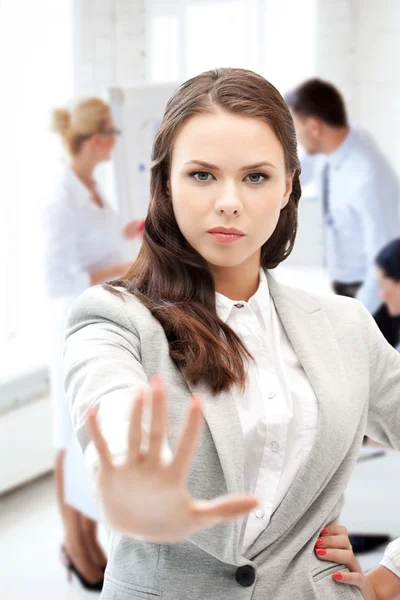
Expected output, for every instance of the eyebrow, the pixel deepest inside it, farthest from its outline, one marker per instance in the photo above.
(215, 168)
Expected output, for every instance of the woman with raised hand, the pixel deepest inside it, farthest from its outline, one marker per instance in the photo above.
(288, 381)
(83, 246)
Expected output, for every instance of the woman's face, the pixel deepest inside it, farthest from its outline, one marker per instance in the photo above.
(103, 142)
(228, 171)
(389, 292)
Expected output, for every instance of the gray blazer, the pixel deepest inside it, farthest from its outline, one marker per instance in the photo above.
(112, 345)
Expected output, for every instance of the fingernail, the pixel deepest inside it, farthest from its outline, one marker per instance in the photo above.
(324, 531)
(320, 542)
(321, 552)
(337, 576)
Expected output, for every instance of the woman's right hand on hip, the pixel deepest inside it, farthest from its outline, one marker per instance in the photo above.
(147, 499)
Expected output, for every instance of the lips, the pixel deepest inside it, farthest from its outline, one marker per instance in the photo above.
(226, 231)
(226, 235)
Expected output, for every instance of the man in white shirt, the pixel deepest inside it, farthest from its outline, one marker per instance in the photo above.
(359, 189)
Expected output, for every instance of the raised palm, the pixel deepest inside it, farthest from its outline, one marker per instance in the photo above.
(145, 498)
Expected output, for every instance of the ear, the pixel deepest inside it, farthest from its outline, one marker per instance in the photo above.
(288, 189)
(168, 187)
(314, 125)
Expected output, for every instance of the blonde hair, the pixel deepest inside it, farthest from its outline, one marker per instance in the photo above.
(88, 117)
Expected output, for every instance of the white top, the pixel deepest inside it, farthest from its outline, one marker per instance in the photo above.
(391, 559)
(80, 237)
(278, 411)
(364, 203)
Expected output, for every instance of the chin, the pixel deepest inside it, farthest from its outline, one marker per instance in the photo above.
(229, 261)
(224, 264)
(393, 311)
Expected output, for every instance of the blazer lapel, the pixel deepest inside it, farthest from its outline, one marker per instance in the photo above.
(314, 342)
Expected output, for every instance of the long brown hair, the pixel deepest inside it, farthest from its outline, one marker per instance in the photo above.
(169, 277)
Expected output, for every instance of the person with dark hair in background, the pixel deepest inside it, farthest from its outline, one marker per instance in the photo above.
(388, 276)
(288, 381)
(360, 193)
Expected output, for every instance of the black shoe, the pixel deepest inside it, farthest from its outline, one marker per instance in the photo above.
(367, 542)
(95, 587)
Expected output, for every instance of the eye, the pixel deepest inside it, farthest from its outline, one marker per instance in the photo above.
(200, 176)
(257, 177)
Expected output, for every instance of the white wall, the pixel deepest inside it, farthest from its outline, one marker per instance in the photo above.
(358, 49)
(109, 43)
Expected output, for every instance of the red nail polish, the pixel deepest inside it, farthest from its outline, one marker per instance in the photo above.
(320, 552)
(320, 542)
(337, 576)
(324, 531)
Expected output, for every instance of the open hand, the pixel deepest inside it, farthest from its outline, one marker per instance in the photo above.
(147, 499)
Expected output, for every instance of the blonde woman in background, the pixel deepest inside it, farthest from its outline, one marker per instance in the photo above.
(83, 247)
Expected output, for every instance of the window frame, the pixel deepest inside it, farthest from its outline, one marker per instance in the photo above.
(177, 8)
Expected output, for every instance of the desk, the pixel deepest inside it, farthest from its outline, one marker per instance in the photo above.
(372, 497)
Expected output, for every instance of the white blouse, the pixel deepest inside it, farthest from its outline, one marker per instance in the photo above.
(278, 411)
(79, 237)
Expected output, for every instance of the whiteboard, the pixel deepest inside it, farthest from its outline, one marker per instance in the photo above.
(137, 111)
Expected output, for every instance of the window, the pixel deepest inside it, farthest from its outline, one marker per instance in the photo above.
(218, 34)
(164, 36)
(36, 59)
(289, 33)
(190, 36)
(276, 39)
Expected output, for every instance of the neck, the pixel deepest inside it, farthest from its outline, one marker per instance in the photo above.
(237, 283)
(84, 167)
(336, 137)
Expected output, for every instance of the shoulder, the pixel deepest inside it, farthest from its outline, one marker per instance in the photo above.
(369, 163)
(338, 308)
(99, 304)
(65, 194)
(59, 200)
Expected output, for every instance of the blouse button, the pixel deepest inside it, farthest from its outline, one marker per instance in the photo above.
(260, 514)
(238, 305)
(275, 446)
(271, 395)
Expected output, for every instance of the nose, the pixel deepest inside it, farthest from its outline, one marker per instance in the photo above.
(229, 201)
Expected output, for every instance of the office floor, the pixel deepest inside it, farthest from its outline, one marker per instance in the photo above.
(29, 546)
(30, 530)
